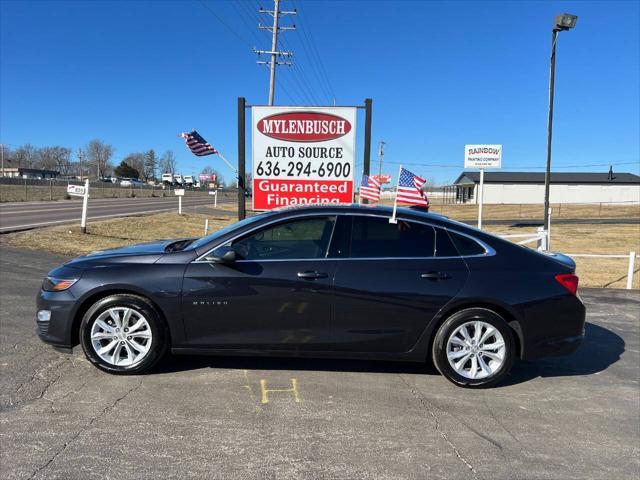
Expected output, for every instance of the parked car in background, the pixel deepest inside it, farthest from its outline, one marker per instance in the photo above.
(177, 179)
(167, 178)
(131, 182)
(320, 281)
(188, 181)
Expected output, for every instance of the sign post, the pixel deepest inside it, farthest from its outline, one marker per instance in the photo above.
(302, 155)
(81, 191)
(482, 156)
(179, 192)
(215, 198)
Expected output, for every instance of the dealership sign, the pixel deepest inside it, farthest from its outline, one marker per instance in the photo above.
(382, 179)
(204, 178)
(302, 155)
(482, 156)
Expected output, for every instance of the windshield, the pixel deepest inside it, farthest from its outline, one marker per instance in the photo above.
(223, 231)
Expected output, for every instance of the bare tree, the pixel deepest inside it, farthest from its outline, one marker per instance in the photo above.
(99, 155)
(25, 156)
(44, 158)
(168, 162)
(53, 158)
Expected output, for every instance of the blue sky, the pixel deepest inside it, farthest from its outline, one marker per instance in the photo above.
(441, 75)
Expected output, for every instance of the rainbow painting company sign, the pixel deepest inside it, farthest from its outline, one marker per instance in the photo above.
(302, 155)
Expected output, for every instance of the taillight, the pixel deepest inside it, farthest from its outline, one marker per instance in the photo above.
(568, 281)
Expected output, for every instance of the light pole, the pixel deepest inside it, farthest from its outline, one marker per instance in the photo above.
(566, 21)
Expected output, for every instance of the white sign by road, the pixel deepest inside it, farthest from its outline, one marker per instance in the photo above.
(483, 156)
(76, 190)
(302, 155)
(179, 192)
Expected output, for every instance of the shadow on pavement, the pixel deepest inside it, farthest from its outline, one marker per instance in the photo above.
(600, 349)
(179, 363)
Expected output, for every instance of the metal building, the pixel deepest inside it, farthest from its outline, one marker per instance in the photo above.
(528, 187)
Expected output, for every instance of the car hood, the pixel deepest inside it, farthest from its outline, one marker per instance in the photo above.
(139, 253)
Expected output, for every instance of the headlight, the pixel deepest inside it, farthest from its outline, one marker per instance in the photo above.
(52, 284)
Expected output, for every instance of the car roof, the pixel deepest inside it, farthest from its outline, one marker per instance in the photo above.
(359, 208)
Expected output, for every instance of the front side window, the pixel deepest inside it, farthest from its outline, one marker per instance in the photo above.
(297, 239)
(375, 237)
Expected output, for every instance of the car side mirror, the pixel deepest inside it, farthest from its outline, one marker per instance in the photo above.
(228, 258)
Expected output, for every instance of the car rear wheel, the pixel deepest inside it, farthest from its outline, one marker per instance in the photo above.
(474, 348)
(123, 334)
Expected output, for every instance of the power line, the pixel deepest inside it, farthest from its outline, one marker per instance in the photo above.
(242, 14)
(312, 62)
(304, 81)
(458, 166)
(305, 28)
(225, 24)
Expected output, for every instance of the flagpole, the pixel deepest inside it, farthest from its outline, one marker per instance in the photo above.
(227, 162)
(393, 218)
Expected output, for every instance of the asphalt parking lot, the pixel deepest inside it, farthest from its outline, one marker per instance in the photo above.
(207, 417)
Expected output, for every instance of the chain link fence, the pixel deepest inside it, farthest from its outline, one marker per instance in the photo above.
(29, 190)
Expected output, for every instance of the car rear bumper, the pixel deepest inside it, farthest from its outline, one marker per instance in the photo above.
(553, 327)
(557, 346)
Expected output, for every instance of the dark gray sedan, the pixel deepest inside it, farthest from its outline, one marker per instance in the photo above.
(320, 281)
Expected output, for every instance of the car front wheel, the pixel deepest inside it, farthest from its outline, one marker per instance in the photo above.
(123, 334)
(474, 348)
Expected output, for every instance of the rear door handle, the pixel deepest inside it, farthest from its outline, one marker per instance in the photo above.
(312, 275)
(436, 276)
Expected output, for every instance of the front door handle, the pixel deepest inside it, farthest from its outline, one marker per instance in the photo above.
(436, 276)
(312, 275)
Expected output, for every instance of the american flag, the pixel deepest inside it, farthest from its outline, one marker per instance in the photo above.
(369, 188)
(410, 189)
(197, 144)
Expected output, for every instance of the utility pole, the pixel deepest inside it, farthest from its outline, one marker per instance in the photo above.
(2, 156)
(380, 155)
(80, 158)
(275, 54)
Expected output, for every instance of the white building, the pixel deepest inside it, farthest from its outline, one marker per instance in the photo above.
(565, 187)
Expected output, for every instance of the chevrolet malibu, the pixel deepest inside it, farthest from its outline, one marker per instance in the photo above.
(320, 281)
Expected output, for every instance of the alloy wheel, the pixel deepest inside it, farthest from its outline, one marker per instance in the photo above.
(121, 336)
(476, 350)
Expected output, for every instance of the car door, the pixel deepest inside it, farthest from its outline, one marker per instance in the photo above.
(273, 296)
(390, 284)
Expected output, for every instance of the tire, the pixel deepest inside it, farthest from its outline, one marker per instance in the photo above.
(476, 362)
(141, 336)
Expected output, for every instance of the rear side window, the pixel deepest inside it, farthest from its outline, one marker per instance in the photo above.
(466, 246)
(444, 245)
(374, 237)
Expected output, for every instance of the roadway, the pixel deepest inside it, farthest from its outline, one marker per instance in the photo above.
(26, 215)
(23, 216)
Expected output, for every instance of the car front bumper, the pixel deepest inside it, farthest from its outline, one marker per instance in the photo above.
(57, 330)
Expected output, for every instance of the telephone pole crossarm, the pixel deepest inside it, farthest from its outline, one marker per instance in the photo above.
(276, 13)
